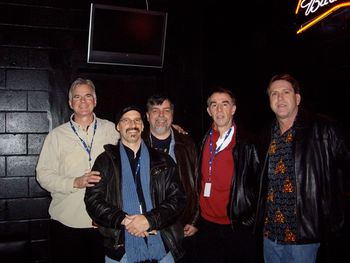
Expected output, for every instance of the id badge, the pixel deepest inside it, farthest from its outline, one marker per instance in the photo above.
(207, 189)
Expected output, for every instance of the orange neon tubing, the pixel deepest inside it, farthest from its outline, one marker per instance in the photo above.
(320, 17)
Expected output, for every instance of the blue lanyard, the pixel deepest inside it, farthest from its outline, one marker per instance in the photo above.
(214, 153)
(138, 166)
(86, 147)
(139, 189)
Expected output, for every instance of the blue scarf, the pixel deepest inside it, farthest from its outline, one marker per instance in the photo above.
(135, 247)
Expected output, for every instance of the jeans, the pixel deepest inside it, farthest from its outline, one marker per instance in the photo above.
(281, 253)
(167, 259)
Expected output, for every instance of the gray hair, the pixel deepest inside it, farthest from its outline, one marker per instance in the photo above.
(81, 81)
(220, 89)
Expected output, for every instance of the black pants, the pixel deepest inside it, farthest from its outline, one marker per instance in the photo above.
(75, 244)
(189, 245)
(220, 244)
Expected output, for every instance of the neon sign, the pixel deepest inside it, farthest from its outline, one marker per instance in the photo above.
(310, 12)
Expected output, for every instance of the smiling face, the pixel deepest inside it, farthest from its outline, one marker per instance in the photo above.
(130, 127)
(160, 118)
(283, 100)
(83, 101)
(221, 108)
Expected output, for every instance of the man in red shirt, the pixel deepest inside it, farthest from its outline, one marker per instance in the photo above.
(228, 187)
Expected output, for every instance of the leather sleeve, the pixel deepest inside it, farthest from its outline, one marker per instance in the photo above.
(102, 207)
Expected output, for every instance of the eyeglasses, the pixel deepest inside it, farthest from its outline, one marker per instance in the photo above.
(127, 121)
(85, 97)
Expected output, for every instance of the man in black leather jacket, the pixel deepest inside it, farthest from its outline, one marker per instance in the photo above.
(183, 150)
(228, 187)
(302, 199)
(138, 201)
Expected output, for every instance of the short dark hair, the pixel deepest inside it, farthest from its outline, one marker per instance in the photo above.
(220, 89)
(158, 99)
(287, 77)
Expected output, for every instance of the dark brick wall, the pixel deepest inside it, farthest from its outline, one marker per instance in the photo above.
(24, 123)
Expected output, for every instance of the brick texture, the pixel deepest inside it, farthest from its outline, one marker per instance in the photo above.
(2, 76)
(2, 122)
(27, 79)
(13, 144)
(35, 189)
(35, 142)
(13, 187)
(27, 122)
(2, 166)
(13, 57)
(13, 100)
(21, 165)
(14, 228)
(27, 208)
(38, 101)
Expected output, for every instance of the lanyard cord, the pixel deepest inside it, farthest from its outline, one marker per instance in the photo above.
(86, 147)
(139, 189)
(214, 153)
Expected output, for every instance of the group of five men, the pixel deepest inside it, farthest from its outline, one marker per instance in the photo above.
(125, 193)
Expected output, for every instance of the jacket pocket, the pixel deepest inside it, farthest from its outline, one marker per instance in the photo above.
(112, 237)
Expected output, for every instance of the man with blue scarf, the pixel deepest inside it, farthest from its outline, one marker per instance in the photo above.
(138, 200)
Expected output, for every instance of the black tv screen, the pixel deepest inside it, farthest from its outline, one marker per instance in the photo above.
(126, 36)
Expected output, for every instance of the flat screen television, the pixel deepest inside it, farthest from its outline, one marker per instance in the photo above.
(126, 36)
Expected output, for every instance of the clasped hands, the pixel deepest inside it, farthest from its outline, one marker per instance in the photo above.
(137, 225)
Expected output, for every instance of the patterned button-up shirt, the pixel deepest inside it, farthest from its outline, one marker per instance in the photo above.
(280, 218)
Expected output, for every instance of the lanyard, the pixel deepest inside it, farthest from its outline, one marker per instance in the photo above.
(86, 147)
(138, 167)
(214, 153)
(139, 190)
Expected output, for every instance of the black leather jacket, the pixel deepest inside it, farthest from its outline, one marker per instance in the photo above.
(104, 201)
(241, 206)
(321, 162)
(186, 158)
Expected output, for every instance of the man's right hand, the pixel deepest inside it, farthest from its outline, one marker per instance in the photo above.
(179, 129)
(190, 230)
(89, 179)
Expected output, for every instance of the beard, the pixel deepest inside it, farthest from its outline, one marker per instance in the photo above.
(161, 126)
(131, 135)
(161, 130)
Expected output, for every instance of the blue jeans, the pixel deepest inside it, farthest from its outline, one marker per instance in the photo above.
(281, 253)
(167, 259)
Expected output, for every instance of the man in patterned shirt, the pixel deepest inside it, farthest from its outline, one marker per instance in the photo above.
(302, 195)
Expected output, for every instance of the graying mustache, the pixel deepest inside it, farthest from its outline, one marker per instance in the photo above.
(161, 119)
(133, 129)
